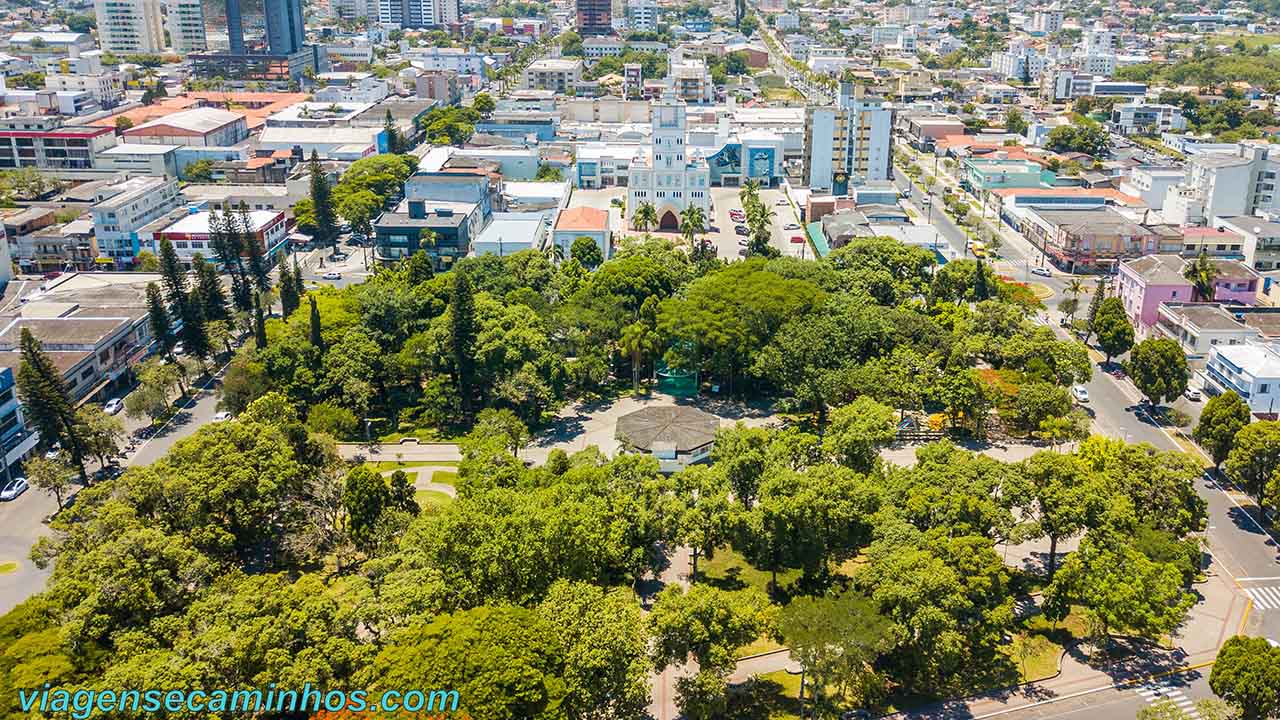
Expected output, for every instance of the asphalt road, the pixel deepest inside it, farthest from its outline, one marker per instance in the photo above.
(1121, 703)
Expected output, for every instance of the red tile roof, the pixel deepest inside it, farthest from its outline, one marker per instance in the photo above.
(583, 218)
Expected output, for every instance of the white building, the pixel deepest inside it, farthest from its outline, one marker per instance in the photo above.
(1260, 239)
(663, 175)
(186, 26)
(125, 207)
(1224, 184)
(690, 79)
(464, 61)
(84, 72)
(1048, 20)
(849, 144)
(1019, 62)
(557, 74)
(642, 15)
(351, 87)
(417, 13)
(1251, 371)
(130, 26)
(1151, 184)
(594, 48)
(1146, 119)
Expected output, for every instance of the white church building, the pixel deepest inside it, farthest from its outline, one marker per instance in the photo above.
(663, 175)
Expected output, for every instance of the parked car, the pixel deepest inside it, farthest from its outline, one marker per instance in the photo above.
(737, 216)
(741, 230)
(179, 349)
(791, 226)
(797, 239)
(113, 406)
(1192, 394)
(222, 416)
(1080, 393)
(16, 487)
(1042, 272)
(782, 202)
(332, 275)
(109, 472)
(51, 275)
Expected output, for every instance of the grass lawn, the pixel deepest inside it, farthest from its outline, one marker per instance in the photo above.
(728, 570)
(447, 477)
(785, 704)
(761, 645)
(433, 498)
(896, 64)
(783, 94)
(8, 567)
(1035, 650)
(1041, 291)
(384, 465)
(423, 434)
(1251, 41)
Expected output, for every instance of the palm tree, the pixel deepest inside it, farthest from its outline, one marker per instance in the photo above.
(749, 194)
(637, 341)
(693, 221)
(1074, 288)
(1202, 273)
(555, 252)
(646, 216)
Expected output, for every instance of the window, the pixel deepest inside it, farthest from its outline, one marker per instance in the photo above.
(86, 373)
(1264, 388)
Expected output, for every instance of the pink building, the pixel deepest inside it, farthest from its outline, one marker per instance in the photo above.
(1144, 283)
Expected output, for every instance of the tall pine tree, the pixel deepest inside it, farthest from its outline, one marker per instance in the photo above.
(299, 287)
(258, 271)
(980, 290)
(195, 336)
(158, 319)
(1099, 292)
(462, 336)
(316, 338)
(393, 134)
(45, 401)
(322, 203)
(288, 291)
(208, 288)
(172, 275)
(259, 323)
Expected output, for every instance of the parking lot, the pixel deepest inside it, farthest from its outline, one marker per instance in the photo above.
(727, 241)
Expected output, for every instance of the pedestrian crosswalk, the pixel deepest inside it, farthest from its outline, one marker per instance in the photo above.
(1264, 598)
(1154, 693)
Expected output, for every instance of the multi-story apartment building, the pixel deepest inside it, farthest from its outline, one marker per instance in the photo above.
(594, 17)
(1048, 20)
(84, 73)
(125, 208)
(690, 79)
(47, 43)
(1225, 184)
(848, 144)
(130, 26)
(464, 61)
(418, 13)
(642, 15)
(1019, 62)
(186, 26)
(1139, 118)
(557, 74)
(59, 148)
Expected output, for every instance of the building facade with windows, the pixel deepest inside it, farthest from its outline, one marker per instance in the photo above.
(63, 148)
(665, 175)
(847, 144)
(125, 208)
(130, 26)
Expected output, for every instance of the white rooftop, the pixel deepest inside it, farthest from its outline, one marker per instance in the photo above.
(1255, 358)
(198, 223)
(201, 120)
(139, 149)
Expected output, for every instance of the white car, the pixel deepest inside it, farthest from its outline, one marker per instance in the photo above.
(222, 416)
(1080, 393)
(1042, 272)
(1192, 394)
(16, 487)
(782, 202)
(791, 226)
(332, 275)
(113, 406)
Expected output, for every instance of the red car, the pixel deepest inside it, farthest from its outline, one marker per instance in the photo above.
(51, 275)
(797, 239)
(737, 215)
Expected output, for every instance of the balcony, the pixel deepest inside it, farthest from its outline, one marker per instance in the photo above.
(1225, 383)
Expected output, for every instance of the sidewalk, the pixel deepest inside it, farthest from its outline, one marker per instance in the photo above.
(409, 450)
